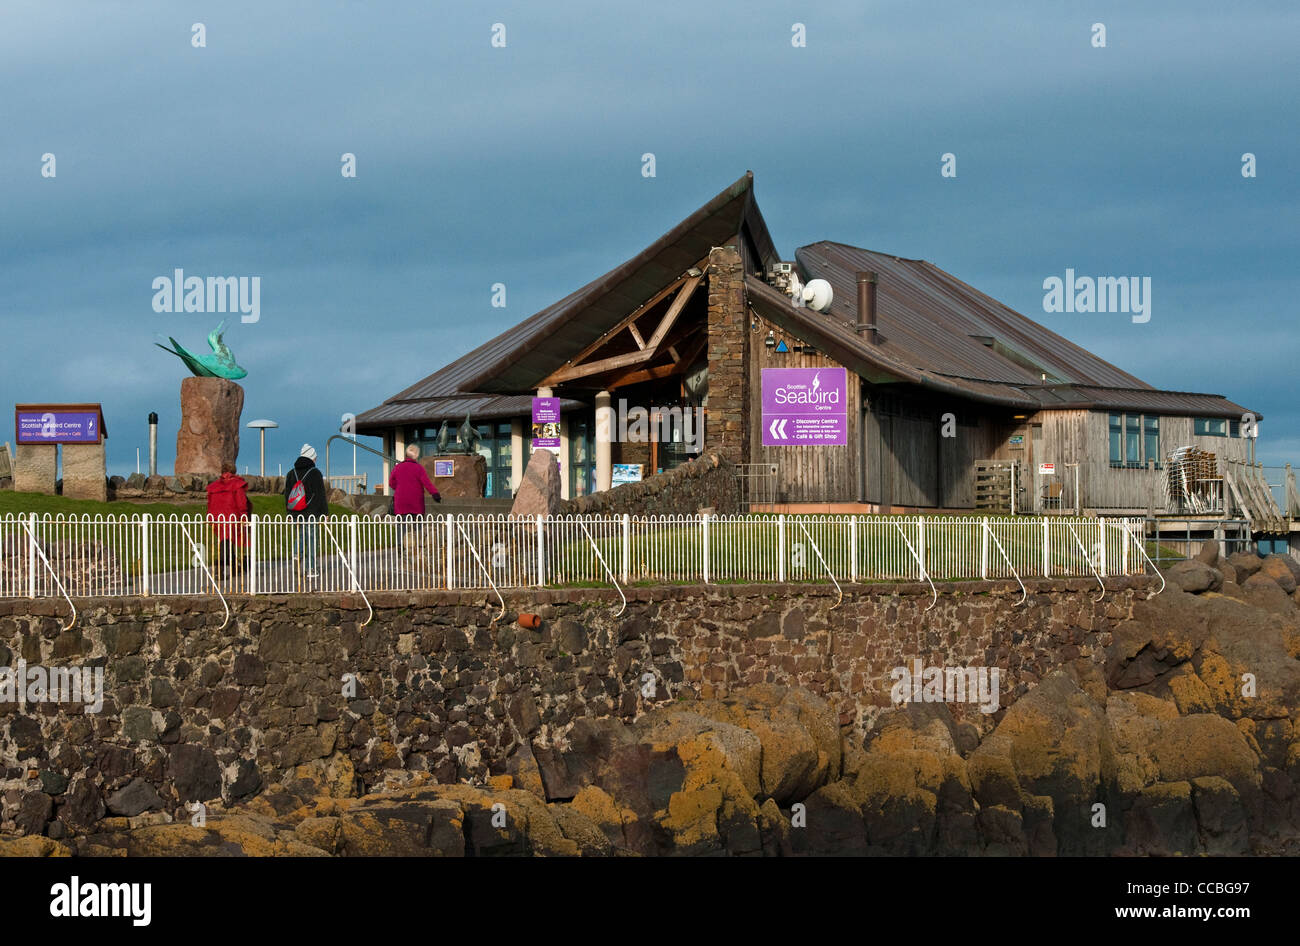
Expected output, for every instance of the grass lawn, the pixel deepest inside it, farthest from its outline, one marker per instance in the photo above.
(23, 503)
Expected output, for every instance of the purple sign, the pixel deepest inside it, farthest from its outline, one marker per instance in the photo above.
(57, 427)
(546, 423)
(805, 407)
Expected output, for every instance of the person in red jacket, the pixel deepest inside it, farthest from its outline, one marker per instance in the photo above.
(227, 504)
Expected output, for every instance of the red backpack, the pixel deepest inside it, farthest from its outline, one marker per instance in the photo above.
(297, 500)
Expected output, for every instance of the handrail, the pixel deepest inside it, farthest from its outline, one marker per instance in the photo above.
(198, 557)
(356, 584)
(925, 572)
(1024, 592)
(488, 574)
(1084, 549)
(27, 524)
(592, 540)
(346, 439)
(827, 567)
(1144, 555)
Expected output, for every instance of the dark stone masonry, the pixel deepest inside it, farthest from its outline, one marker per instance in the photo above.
(196, 712)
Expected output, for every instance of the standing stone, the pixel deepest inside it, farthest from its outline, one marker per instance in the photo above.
(468, 479)
(539, 490)
(209, 432)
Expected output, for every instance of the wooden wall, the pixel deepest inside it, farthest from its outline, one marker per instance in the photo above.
(1084, 437)
(805, 473)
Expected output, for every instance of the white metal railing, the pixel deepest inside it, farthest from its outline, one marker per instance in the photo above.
(43, 555)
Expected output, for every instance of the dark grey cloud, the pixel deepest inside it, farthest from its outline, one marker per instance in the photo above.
(521, 165)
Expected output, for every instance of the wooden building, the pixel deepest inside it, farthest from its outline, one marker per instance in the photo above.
(954, 401)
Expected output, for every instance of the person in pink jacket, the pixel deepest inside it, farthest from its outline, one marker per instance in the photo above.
(409, 482)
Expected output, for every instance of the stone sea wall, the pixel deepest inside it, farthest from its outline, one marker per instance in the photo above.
(194, 712)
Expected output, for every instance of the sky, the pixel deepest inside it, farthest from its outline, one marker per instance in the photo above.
(522, 164)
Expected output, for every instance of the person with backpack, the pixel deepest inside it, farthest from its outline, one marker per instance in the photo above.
(228, 508)
(305, 500)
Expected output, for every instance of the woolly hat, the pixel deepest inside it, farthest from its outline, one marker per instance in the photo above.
(309, 452)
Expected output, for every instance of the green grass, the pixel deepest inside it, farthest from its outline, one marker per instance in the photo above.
(40, 503)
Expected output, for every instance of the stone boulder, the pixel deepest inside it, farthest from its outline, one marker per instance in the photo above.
(1193, 576)
(209, 430)
(1246, 564)
(539, 490)
(1209, 554)
(468, 478)
(1282, 569)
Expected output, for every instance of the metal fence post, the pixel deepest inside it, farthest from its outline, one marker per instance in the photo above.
(352, 551)
(704, 526)
(31, 558)
(627, 546)
(144, 554)
(920, 546)
(1101, 532)
(780, 547)
(1047, 548)
(451, 551)
(541, 551)
(984, 549)
(1123, 554)
(252, 554)
(853, 548)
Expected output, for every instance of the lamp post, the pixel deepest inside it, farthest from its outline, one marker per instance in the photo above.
(153, 444)
(261, 426)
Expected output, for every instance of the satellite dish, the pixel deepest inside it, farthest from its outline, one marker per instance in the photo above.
(818, 295)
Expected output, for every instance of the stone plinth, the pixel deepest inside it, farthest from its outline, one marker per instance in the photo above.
(209, 432)
(468, 479)
(539, 490)
(84, 473)
(35, 467)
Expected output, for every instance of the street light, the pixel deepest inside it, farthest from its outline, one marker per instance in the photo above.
(260, 426)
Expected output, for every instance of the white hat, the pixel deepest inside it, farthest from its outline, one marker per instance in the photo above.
(308, 451)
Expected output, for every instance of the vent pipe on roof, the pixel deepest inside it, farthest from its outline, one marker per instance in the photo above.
(867, 307)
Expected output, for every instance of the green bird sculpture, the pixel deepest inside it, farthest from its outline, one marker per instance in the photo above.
(220, 364)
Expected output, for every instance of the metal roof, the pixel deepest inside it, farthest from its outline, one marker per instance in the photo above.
(518, 359)
(938, 332)
(395, 412)
(935, 331)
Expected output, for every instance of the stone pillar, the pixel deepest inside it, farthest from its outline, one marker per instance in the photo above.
(35, 467)
(85, 475)
(726, 426)
(604, 436)
(519, 446)
(209, 431)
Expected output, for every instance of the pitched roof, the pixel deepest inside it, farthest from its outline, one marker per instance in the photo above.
(518, 359)
(936, 331)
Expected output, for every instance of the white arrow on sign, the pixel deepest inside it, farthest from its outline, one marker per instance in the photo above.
(777, 430)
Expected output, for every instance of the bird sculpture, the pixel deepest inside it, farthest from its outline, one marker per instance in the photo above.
(220, 364)
(444, 435)
(469, 437)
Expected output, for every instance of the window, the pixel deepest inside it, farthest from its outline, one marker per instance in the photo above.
(1134, 439)
(582, 466)
(1211, 427)
(494, 447)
